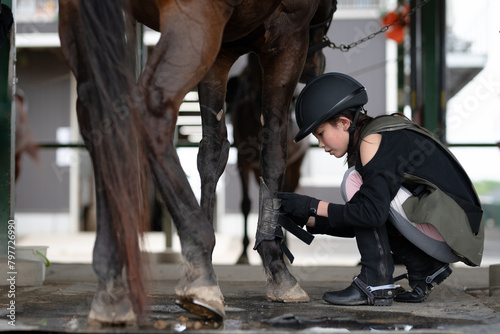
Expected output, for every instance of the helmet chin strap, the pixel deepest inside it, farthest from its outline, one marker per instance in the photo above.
(352, 128)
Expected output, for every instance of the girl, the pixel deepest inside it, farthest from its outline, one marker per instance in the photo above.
(406, 195)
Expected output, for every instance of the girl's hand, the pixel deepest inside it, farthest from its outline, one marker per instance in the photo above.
(298, 205)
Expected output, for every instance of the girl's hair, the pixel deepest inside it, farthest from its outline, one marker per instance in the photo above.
(363, 119)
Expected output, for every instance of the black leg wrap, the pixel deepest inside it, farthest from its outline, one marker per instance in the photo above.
(293, 228)
(278, 233)
(267, 226)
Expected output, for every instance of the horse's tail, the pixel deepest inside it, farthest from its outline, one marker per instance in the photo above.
(116, 133)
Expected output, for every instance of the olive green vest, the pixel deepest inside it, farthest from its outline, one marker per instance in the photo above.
(460, 223)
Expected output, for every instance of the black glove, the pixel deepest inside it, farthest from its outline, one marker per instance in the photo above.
(300, 206)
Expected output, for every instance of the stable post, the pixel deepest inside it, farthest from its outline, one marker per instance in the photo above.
(7, 136)
(416, 100)
(433, 61)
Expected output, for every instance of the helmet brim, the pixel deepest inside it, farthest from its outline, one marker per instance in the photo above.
(340, 106)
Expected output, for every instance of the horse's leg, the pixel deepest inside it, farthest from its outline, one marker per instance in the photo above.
(198, 291)
(292, 174)
(214, 146)
(112, 303)
(245, 209)
(281, 74)
(173, 69)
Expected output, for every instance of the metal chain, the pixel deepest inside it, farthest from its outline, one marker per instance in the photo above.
(346, 47)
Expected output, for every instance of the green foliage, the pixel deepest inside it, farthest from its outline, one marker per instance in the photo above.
(486, 187)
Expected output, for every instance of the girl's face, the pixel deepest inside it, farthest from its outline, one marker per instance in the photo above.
(334, 138)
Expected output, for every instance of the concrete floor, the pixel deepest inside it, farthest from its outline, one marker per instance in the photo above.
(62, 303)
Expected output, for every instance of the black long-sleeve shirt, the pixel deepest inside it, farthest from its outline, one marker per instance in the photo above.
(400, 152)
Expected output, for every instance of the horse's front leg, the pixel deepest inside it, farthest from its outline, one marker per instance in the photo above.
(214, 146)
(281, 74)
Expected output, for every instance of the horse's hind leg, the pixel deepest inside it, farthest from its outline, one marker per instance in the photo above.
(111, 303)
(174, 68)
(198, 291)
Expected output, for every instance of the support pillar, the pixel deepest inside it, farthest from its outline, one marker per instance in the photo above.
(433, 61)
(7, 135)
(416, 64)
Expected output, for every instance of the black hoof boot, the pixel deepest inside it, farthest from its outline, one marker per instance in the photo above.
(358, 293)
(422, 286)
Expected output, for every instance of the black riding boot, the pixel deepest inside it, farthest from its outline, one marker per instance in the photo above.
(424, 271)
(374, 285)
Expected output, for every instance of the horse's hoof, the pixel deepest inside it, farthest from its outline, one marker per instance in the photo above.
(112, 306)
(112, 315)
(294, 295)
(206, 302)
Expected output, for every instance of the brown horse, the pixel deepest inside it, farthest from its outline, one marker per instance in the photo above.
(128, 129)
(25, 142)
(244, 105)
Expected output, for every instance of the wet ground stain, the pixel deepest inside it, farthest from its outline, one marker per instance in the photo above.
(63, 307)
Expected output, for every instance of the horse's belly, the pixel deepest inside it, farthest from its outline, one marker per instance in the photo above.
(247, 17)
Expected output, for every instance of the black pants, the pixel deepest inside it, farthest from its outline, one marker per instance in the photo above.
(377, 246)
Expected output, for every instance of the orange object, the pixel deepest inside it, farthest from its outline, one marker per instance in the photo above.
(397, 31)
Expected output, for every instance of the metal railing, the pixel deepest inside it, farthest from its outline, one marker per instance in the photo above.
(360, 4)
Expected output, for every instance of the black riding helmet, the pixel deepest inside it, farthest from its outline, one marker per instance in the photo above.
(325, 96)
